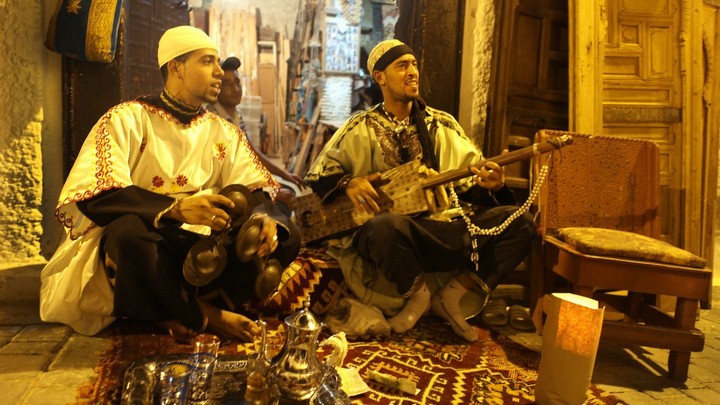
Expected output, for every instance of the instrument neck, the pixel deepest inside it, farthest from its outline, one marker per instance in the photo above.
(502, 160)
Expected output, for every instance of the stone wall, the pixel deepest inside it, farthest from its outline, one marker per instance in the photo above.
(476, 68)
(24, 82)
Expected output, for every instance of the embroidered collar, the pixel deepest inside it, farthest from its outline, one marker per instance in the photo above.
(184, 113)
(178, 106)
(398, 123)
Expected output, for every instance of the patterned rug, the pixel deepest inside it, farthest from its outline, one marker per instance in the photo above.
(493, 370)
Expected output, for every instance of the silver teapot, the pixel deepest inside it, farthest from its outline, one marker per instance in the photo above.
(296, 373)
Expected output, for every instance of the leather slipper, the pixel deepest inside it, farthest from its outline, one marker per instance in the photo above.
(495, 313)
(520, 318)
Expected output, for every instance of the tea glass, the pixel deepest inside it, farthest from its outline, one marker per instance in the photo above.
(174, 377)
(139, 386)
(203, 368)
(206, 343)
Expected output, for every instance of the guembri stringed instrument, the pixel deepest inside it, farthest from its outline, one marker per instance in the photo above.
(403, 192)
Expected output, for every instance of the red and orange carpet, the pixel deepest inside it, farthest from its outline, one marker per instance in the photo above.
(446, 369)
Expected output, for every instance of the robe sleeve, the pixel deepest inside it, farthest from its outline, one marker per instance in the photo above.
(245, 167)
(112, 204)
(349, 152)
(102, 164)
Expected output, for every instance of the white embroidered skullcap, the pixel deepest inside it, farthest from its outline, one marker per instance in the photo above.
(385, 53)
(180, 40)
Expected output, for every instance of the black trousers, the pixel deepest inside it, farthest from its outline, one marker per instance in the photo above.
(403, 247)
(149, 284)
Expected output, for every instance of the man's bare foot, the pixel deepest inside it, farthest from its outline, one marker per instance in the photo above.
(229, 324)
(178, 331)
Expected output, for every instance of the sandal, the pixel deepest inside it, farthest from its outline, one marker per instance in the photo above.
(495, 313)
(520, 318)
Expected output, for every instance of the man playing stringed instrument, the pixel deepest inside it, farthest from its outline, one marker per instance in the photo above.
(402, 248)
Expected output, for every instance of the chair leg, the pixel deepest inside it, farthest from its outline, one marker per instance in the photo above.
(538, 275)
(685, 313)
(679, 361)
(678, 365)
(632, 312)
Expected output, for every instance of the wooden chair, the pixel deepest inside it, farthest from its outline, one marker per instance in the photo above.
(598, 230)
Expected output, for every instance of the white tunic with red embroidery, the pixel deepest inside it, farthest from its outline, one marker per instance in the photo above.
(138, 144)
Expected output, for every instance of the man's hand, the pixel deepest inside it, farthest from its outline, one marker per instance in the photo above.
(437, 198)
(267, 238)
(491, 176)
(204, 209)
(294, 179)
(362, 193)
(286, 196)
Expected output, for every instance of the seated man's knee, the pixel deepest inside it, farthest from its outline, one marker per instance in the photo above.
(522, 230)
(129, 233)
(386, 223)
(524, 224)
(380, 234)
(527, 224)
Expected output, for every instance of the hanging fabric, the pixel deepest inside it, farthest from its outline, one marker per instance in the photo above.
(85, 29)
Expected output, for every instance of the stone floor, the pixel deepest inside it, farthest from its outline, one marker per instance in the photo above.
(637, 375)
(46, 363)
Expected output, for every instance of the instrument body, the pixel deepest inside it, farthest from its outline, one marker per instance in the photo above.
(402, 192)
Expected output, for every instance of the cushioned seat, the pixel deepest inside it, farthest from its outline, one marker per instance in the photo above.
(611, 242)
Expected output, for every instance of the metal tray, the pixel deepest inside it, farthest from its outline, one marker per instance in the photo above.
(228, 382)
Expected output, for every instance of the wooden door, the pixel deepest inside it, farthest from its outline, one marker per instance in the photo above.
(531, 78)
(529, 89)
(433, 29)
(631, 86)
(642, 91)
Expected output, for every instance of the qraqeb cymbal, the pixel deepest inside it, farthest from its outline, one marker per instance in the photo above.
(244, 202)
(204, 262)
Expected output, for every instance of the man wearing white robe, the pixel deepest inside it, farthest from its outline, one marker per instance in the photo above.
(143, 191)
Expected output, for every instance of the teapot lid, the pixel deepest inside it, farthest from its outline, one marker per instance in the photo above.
(304, 319)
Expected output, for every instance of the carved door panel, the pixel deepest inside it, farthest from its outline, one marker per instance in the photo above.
(641, 91)
(91, 88)
(531, 78)
(638, 90)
